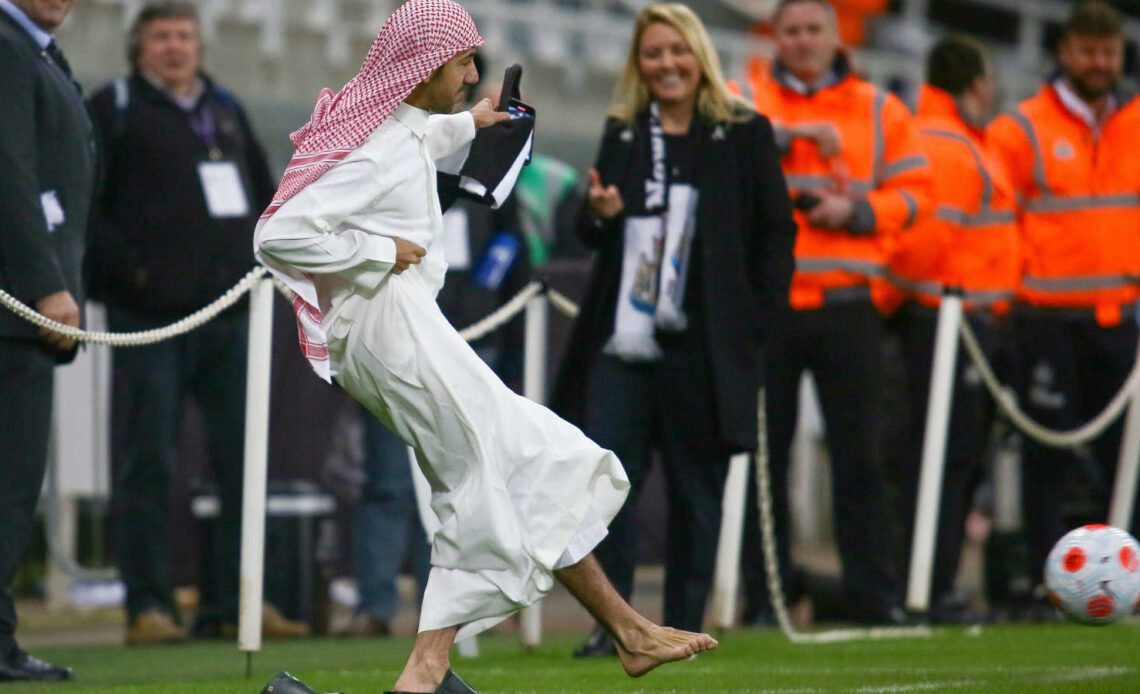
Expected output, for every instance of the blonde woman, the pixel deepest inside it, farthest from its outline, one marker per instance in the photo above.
(690, 217)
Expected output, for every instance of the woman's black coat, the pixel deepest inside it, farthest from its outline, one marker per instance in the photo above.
(746, 230)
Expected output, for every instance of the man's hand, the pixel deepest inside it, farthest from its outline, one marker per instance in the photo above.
(825, 136)
(834, 211)
(59, 307)
(485, 114)
(605, 201)
(407, 253)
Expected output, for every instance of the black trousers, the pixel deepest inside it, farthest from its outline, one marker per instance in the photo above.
(1070, 368)
(971, 417)
(26, 382)
(668, 406)
(208, 364)
(841, 344)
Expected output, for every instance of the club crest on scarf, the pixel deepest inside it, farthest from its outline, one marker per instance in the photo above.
(420, 37)
(657, 240)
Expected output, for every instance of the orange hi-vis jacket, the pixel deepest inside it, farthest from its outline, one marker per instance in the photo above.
(882, 165)
(970, 241)
(1079, 193)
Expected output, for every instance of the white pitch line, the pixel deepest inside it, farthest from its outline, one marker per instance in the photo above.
(918, 687)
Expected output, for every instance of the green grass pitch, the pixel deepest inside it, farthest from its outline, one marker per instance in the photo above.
(1047, 658)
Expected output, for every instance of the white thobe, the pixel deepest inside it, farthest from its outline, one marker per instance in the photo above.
(518, 491)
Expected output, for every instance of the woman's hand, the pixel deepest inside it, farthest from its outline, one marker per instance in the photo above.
(605, 201)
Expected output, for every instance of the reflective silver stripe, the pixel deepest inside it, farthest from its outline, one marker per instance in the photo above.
(935, 290)
(903, 165)
(985, 298)
(1075, 203)
(912, 209)
(1038, 158)
(746, 92)
(880, 142)
(962, 218)
(1071, 284)
(987, 182)
(810, 181)
(926, 287)
(862, 267)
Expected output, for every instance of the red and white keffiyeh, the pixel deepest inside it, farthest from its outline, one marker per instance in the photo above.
(419, 38)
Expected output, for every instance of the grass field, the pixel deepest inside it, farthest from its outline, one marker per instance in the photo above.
(1052, 658)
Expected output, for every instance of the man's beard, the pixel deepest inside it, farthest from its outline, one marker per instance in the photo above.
(1089, 92)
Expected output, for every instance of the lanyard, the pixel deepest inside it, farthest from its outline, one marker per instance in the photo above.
(205, 127)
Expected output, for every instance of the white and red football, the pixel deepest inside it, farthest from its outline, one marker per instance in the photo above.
(1093, 574)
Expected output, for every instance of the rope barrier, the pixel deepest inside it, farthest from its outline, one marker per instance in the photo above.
(503, 314)
(1049, 437)
(472, 333)
(144, 337)
(772, 565)
(562, 303)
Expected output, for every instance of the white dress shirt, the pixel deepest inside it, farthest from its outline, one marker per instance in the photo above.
(339, 229)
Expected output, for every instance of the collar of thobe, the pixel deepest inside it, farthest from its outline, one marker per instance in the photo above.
(414, 119)
(42, 38)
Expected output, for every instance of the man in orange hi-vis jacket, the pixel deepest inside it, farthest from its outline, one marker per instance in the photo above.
(968, 246)
(859, 177)
(1070, 152)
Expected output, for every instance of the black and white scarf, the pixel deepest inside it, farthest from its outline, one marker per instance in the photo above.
(658, 237)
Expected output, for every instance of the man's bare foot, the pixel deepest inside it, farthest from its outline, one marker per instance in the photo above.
(420, 677)
(653, 645)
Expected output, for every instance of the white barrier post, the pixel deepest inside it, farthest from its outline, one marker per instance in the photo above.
(534, 388)
(1124, 489)
(934, 454)
(258, 365)
(727, 577)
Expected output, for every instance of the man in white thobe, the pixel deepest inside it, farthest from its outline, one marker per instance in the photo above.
(355, 230)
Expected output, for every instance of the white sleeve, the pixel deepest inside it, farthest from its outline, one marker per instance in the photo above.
(449, 139)
(308, 234)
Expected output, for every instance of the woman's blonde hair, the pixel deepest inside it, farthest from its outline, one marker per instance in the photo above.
(714, 101)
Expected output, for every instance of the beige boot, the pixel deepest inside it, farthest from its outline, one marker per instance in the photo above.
(154, 627)
(275, 625)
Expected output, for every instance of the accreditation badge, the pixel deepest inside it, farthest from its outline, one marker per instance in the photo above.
(223, 189)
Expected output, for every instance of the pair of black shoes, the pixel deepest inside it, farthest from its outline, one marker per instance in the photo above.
(285, 683)
(18, 666)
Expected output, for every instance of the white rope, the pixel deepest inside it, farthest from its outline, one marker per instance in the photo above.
(562, 303)
(475, 332)
(772, 565)
(144, 337)
(1049, 437)
(503, 314)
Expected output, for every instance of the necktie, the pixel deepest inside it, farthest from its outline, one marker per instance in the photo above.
(56, 56)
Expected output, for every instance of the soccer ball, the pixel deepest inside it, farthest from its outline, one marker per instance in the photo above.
(1093, 574)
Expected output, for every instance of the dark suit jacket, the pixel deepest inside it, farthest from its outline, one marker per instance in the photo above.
(46, 147)
(746, 231)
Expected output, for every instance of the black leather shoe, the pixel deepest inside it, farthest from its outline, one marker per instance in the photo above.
(599, 644)
(891, 616)
(284, 683)
(21, 667)
(451, 684)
